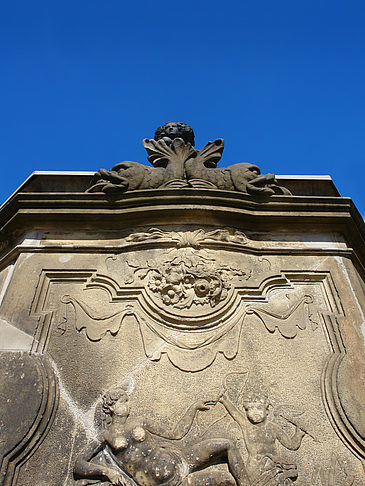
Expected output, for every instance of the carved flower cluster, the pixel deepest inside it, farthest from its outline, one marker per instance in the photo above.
(182, 283)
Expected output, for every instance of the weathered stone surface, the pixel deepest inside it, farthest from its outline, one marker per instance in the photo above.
(28, 402)
(181, 336)
(177, 164)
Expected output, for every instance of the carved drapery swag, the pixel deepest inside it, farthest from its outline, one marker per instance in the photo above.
(186, 304)
(188, 353)
(195, 301)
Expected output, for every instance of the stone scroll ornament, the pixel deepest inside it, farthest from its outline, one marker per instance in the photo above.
(177, 164)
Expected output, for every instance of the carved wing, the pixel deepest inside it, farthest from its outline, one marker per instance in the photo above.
(211, 153)
(294, 416)
(288, 412)
(160, 154)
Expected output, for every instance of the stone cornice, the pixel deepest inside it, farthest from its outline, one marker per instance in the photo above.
(29, 211)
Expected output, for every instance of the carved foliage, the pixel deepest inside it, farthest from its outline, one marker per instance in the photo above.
(174, 155)
(337, 473)
(190, 351)
(194, 239)
(177, 164)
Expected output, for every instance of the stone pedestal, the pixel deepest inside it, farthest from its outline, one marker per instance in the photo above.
(189, 336)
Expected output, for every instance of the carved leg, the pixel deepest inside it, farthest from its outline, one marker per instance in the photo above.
(213, 451)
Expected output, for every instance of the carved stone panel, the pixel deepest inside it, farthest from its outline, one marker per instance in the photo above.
(181, 324)
(185, 355)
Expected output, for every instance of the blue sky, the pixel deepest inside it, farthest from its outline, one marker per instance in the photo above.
(82, 83)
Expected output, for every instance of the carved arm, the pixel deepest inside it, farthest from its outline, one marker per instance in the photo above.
(292, 443)
(236, 414)
(183, 426)
(86, 469)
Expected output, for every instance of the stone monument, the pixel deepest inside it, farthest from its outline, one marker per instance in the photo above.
(181, 324)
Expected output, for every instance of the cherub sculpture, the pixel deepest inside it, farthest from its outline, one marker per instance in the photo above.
(261, 430)
(176, 163)
(134, 451)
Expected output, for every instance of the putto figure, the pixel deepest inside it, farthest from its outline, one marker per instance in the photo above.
(177, 164)
(260, 433)
(134, 451)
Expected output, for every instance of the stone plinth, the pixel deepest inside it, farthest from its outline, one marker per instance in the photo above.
(181, 335)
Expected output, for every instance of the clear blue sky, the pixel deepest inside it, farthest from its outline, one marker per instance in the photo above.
(281, 81)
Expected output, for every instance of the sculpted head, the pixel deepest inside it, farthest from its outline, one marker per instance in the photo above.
(172, 130)
(257, 407)
(116, 402)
